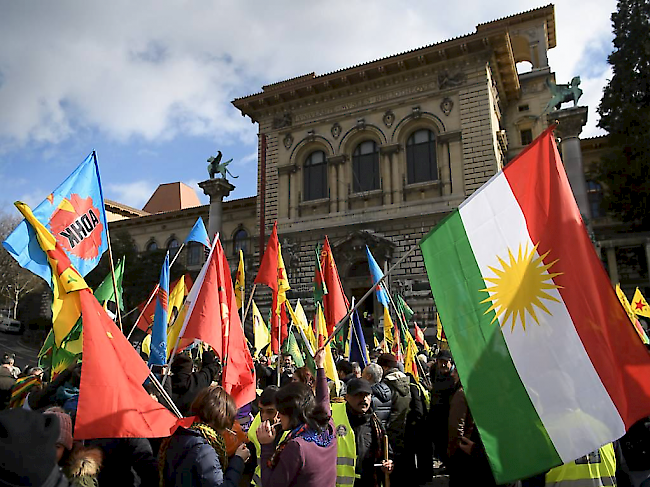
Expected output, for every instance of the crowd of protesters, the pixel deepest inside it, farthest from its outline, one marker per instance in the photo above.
(378, 425)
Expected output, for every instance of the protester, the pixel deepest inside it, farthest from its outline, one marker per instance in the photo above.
(360, 438)
(418, 456)
(40, 399)
(186, 384)
(263, 372)
(442, 388)
(304, 375)
(27, 449)
(306, 457)
(356, 370)
(381, 394)
(10, 360)
(287, 368)
(267, 412)
(83, 466)
(125, 461)
(399, 385)
(197, 455)
(64, 441)
(635, 447)
(31, 382)
(7, 382)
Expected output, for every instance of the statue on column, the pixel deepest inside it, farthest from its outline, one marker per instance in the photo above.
(217, 167)
(563, 94)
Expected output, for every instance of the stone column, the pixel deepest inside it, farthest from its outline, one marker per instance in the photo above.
(217, 189)
(570, 122)
(390, 173)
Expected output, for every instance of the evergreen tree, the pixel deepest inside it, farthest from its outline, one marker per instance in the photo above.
(624, 111)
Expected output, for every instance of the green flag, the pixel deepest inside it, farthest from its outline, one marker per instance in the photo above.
(404, 308)
(291, 347)
(320, 289)
(105, 291)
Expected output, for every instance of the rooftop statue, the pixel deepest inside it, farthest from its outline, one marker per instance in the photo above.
(217, 167)
(563, 94)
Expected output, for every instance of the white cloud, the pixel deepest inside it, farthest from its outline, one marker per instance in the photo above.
(153, 70)
(134, 194)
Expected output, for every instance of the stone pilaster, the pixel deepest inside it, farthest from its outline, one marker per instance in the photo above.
(392, 183)
(570, 122)
(217, 189)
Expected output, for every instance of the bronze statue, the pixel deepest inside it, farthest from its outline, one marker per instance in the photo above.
(563, 94)
(217, 167)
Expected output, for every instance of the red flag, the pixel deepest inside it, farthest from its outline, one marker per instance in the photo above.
(268, 271)
(279, 321)
(335, 302)
(146, 320)
(419, 335)
(112, 401)
(212, 317)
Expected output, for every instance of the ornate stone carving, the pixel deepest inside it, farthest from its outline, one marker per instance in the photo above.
(336, 130)
(445, 80)
(446, 106)
(417, 113)
(361, 123)
(287, 141)
(389, 118)
(283, 121)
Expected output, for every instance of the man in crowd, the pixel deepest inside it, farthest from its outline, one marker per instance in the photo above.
(287, 368)
(7, 381)
(360, 438)
(442, 388)
(381, 395)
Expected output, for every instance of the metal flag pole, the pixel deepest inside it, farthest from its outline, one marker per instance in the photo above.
(341, 322)
(163, 393)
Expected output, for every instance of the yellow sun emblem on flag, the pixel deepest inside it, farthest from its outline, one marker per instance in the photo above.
(520, 286)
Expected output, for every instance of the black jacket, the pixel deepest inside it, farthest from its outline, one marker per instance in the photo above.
(7, 382)
(127, 462)
(381, 402)
(368, 446)
(187, 384)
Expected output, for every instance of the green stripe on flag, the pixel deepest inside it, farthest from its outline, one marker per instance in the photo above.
(515, 439)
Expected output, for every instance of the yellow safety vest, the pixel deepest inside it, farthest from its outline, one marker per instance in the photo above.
(346, 453)
(596, 469)
(252, 435)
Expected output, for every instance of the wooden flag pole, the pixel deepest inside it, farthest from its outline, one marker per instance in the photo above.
(151, 296)
(248, 305)
(387, 475)
(342, 321)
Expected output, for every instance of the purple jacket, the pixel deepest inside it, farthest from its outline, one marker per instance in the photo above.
(303, 463)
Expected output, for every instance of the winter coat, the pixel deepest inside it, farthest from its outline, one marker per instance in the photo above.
(399, 385)
(381, 402)
(127, 461)
(190, 461)
(441, 392)
(187, 384)
(83, 466)
(45, 397)
(370, 450)
(7, 382)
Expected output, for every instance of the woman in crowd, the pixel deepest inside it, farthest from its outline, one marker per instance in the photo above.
(304, 375)
(197, 455)
(307, 455)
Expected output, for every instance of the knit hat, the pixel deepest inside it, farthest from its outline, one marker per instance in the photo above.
(444, 355)
(27, 452)
(387, 360)
(65, 428)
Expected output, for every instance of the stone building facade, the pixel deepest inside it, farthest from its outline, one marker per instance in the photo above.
(379, 153)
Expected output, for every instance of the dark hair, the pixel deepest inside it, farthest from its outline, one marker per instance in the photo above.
(267, 398)
(344, 366)
(214, 406)
(304, 375)
(297, 401)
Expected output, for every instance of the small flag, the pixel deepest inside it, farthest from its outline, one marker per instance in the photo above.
(377, 274)
(158, 354)
(260, 330)
(290, 346)
(631, 315)
(240, 281)
(199, 234)
(388, 329)
(106, 293)
(404, 308)
(358, 349)
(640, 305)
(330, 366)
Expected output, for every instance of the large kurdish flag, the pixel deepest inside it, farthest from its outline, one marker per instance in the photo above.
(551, 368)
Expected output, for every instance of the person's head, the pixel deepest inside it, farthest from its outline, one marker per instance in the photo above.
(215, 407)
(8, 358)
(358, 395)
(263, 359)
(344, 368)
(27, 446)
(296, 405)
(373, 373)
(287, 360)
(36, 371)
(356, 370)
(387, 361)
(304, 375)
(444, 362)
(64, 441)
(266, 403)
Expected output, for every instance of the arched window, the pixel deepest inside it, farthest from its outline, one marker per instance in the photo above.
(365, 167)
(172, 247)
(315, 176)
(151, 246)
(421, 163)
(240, 241)
(195, 252)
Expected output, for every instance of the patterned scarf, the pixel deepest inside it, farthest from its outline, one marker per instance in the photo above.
(215, 440)
(273, 461)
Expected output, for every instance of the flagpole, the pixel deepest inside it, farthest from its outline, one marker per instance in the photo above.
(341, 322)
(250, 300)
(163, 393)
(151, 296)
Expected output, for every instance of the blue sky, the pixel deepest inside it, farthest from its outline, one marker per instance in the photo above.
(148, 84)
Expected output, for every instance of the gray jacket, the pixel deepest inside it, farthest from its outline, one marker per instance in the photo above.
(399, 385)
